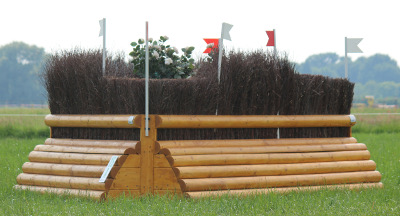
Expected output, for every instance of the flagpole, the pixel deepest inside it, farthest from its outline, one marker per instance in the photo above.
(220, 50)
(104, 47)
(147, 81)
(345, 58)
(278, 133)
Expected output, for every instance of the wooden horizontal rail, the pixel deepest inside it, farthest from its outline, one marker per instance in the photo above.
(92, 143)
(253, 121)
(247, 192)
(93, 194)
(204, 184)
(73, 158)
(94, 121)
(253, 142)
(263, 149)
(63, 169)
(270, 158)
(272, 169)
(86, 150)
(63, 182)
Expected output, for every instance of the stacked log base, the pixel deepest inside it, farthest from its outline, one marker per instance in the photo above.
(198, 168)
(262, 166)
(74, 167)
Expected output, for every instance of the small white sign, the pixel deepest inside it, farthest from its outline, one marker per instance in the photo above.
(108, 169)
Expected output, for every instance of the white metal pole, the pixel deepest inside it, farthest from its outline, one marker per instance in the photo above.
(147, 81)
(278, 133)
(345, 58)
(104, 47)
(220, 49)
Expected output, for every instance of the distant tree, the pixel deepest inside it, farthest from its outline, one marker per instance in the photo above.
(20, 66)
(324, 64)
(377, 75)
(378, 67)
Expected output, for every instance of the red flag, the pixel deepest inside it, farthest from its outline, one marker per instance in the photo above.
(271, 38)
(215, 41)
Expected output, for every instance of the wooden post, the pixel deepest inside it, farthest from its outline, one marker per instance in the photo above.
(147, 155)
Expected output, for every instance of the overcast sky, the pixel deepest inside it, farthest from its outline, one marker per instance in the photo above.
(303, 28)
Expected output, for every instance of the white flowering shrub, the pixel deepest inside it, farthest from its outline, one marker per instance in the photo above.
(164, 61)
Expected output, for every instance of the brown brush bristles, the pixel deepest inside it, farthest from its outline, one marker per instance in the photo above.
(254, 83)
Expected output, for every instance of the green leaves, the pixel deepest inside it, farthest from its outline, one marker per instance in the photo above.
(164, 60)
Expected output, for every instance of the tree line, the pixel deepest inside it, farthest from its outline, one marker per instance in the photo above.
(377, 75)
(21, 65)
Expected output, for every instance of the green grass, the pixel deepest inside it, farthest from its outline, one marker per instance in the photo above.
(374, 110)
(384, 147)
(7, 110)
(29, 124)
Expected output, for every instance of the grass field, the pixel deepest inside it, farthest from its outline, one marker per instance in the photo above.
(18, 136)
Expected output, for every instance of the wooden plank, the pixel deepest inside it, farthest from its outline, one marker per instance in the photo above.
(250, 192)
(263, 149)
(122, 193)
(147, 156)
(97, 195)
(63, 169)
(273, 169)
(93, 121)
(165, 179)
(61, 181)
(254, 142)
(133, 160)
(126, 179)
(168, 193)
(72, 158)
(114, 171)
(252, 121)
(270, 158)
(161, 161)
(86, 150)
(139, 147)
(205, 184)
(91, 143)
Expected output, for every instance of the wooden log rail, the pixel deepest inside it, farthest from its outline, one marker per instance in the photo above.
(203, 121)
(94, 121)
(254, 121)
(332, 154)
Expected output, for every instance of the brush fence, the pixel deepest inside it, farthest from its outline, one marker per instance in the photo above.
(197, 168)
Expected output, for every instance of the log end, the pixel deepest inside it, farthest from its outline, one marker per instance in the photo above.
(170, 160)
(130, 151)
(177, 172)
(183, 185)
(165, 152)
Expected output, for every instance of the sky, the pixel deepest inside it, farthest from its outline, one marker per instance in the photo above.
(303, 28)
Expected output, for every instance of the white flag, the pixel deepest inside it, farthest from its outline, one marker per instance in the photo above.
(102, 22)
(225, 31)
(352, 45)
